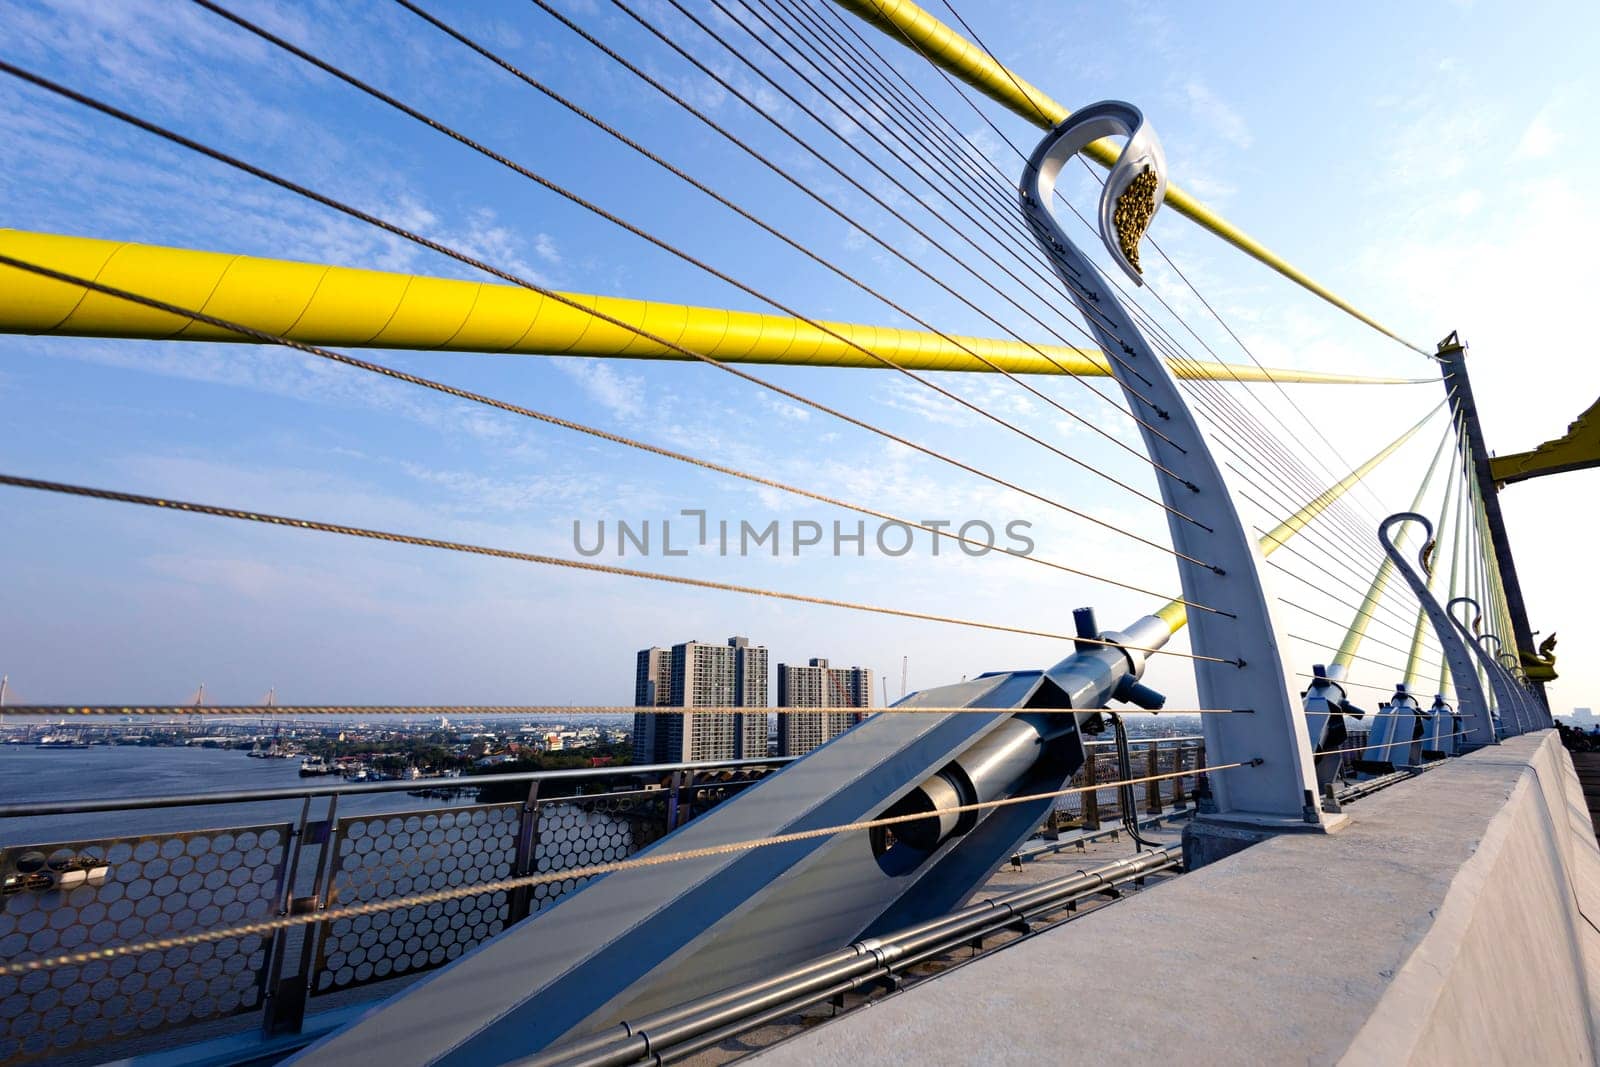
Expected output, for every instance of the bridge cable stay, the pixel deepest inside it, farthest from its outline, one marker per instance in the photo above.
(246, 515)
(262, 336)
(1350, 646)
(407, 234)
(1359, 539)
(913, 148)
(965, 160)
(806, 145)
(1488, 623)
(1164, 301)
(1493, 570)
(952, 53)
(742, 212)
(388, 99)
(1272, 540)
(1157, 331)
(153, 128)
(978, 154)
(880, 108)
(859, 225)
(1006, 139)
(208, 5)
(1280, 535)
(768, 24)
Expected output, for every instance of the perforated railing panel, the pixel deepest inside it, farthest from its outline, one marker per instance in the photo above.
(386, 857)
(584, 831)
(383, 857)
(134, 889)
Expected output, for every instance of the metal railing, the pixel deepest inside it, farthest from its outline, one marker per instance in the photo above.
(129, 886)
(65, 895)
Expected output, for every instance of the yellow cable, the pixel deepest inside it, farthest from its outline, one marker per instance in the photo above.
(905, 21)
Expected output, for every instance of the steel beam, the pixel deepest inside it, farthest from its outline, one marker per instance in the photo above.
(1458, 386)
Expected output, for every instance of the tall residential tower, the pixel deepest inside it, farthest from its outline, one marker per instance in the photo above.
(818, 685)
(695, 674)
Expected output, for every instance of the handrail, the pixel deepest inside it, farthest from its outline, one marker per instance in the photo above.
(240, 796)
(910, 25)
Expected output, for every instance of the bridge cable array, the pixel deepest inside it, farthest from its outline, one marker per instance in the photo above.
(964, 159)
(554, 420)
(403, 232)
(224, 512)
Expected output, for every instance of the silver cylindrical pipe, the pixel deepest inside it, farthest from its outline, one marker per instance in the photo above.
(986, 771)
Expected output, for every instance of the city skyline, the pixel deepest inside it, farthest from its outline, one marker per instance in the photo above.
(737, 674)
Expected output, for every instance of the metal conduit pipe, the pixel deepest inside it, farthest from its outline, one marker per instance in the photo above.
(712, 1019)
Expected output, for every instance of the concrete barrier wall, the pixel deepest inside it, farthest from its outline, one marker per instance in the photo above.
(1453, 921)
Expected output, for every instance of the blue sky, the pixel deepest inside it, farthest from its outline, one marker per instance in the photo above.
(1425, 161)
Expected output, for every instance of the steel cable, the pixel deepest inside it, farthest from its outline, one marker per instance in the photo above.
(1174, 349)
(817, 258)
(400, 231)
(552, 561)
(554, 420)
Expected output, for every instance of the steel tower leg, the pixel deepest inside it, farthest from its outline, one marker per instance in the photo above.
(1458, 386)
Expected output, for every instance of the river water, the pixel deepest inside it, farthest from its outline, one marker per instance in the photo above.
(124, 772)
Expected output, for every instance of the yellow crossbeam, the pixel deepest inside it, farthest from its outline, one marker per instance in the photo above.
(342, 306)
(913, 27)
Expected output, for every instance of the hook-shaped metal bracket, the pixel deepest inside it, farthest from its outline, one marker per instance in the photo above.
(1505, 695)
(1243, 649)
(1470, 698)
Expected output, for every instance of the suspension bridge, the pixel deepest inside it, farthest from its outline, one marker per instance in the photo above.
(1375, 849)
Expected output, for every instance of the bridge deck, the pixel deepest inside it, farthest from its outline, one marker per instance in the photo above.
(1587, 765)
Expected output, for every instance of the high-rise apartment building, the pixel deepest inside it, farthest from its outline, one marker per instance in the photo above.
(818, 685)
(695, 674)
(652, 687)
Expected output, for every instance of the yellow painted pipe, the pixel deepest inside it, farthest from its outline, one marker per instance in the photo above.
(1176, 615)
(341, 306)
(910, 25)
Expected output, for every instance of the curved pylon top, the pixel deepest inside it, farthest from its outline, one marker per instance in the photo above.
(1136, 187)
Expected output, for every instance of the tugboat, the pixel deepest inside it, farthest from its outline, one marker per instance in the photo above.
(313, 766)
(62, 741)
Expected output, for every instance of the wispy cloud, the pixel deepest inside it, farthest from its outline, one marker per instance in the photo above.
(621, 394)
(1539, 139)
(1216, 113)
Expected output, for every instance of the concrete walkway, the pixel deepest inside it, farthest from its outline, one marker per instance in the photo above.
(1456, 919)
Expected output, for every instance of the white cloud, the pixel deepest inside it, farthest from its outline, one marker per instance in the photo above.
(1539, 139)
(620, 394)
(1214, 112)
